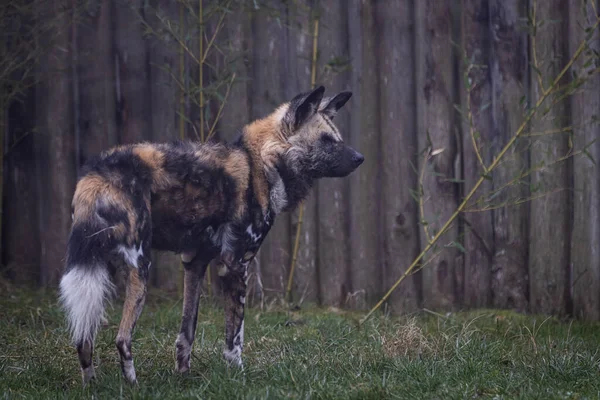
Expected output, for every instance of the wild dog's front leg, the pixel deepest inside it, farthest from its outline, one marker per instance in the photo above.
(234, 288)
(194, 274)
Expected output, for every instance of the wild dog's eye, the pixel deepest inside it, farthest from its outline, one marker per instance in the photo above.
(327, 138)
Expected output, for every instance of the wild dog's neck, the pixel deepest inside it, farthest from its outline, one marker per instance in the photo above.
(297, 179)
(264, 143)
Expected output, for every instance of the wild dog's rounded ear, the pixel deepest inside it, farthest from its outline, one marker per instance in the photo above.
(305, 106)
(331, 105)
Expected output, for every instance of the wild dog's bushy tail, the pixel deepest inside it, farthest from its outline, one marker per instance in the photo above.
(84, 291)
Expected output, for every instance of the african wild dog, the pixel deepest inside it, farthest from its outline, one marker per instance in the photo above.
(202, 201)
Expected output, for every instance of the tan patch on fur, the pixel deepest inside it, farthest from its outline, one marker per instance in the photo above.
(154, 159)
(237, 166)
(92, 188)
(266, 141)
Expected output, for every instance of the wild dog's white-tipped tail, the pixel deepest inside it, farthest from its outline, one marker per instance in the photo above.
(84, 289)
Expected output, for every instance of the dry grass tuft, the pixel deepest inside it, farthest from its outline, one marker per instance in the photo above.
(408, 340)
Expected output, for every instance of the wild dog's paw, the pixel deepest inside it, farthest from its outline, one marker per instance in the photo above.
(129, 372)
(183, 353)
(233, 357)
(88, 374)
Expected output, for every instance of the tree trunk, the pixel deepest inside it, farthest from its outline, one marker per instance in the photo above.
(133, 91)
(549, 239)
(398, 149)
(508, 69)
(585, 257)
(477, 126)
(96, 71)
(266, 92)
(55, 140)
(436, 133)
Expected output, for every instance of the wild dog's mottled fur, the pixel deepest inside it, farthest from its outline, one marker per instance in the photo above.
(201, 201)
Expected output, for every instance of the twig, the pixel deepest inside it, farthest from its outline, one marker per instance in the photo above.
(470, 120)
(513, 181)
(534, 47)
(424, 222)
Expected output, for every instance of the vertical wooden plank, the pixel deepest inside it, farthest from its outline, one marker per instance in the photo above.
(96, 65)
(133, 90)
(365, 187)
(55, 142)
(508, 69)
(585, 256)
(435, 128)
(477, 127)
(549, 238)
(398, 148)
(266, 93)
(21, 250)
(301, 18)
(331, 193)
(237, 36)
(163, 58)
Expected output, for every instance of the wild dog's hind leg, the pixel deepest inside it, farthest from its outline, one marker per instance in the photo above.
(194, 274)
(134, 303)
(85, 351)
(234, 288)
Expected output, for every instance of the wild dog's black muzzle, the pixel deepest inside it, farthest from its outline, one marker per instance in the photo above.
(357, 159)
(347, 161)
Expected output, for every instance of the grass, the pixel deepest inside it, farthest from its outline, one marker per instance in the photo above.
(311, 353)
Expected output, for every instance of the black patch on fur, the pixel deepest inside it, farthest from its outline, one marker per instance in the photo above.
(89, 244)
(297, 185)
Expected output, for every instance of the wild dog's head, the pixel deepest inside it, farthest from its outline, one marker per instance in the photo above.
(315, 144)
(299, 143)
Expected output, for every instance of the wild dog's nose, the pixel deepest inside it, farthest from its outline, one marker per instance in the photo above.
(358, 158)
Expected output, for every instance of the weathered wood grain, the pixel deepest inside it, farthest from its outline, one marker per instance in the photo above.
(397, 113)
(133, 89)
(477, 126)
(549, 236)
(365, 183)
(331, 193)
(436, 128)
(55, 148)
(585, 105)
(508, 69)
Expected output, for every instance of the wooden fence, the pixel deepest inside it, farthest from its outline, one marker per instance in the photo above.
(101, 83)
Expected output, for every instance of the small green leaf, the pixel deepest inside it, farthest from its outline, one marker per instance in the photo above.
(458, 246)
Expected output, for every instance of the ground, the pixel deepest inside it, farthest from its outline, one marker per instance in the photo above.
(310, 353)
